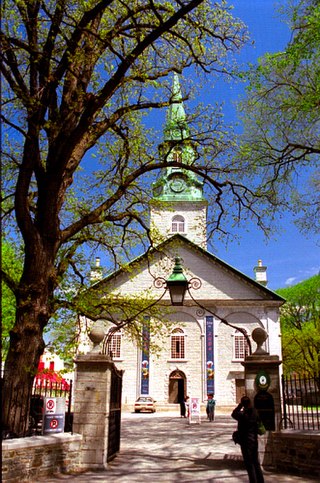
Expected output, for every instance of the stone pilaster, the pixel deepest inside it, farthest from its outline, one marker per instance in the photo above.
(261, 364)
(92, 407)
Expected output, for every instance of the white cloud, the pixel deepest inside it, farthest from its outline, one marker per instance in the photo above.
(303, 275)
(290, 280)
(310, 272)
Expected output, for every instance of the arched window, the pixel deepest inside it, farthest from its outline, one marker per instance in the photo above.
(178, 224)
(115, 345)
(240, 346)
(177, 344)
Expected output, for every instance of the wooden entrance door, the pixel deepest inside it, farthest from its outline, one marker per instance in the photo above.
(177, 387)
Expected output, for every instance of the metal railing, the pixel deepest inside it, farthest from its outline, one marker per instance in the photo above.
(41, 388)
(301, 403)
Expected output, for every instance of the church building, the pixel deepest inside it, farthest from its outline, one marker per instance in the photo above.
(210, 333)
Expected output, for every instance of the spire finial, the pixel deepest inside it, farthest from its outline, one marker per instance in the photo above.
(176, 88)
(176, 127)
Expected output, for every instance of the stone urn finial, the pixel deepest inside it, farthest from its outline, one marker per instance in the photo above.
(259, 335)
(96, 335)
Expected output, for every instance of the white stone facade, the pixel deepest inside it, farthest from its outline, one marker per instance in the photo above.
(228, 294)
(194, 215)
(227, 369)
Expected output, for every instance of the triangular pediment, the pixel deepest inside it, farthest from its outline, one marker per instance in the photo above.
(220, 283)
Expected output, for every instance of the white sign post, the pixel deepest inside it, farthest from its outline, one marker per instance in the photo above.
(194, 410)
(54, 415)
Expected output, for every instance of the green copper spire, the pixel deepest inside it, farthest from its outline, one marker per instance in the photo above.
(176, 183)
(176, 127)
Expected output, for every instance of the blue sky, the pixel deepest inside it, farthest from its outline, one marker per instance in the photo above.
(290, 256)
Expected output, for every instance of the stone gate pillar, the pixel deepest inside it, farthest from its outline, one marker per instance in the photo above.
(92, 406)
(262, 384)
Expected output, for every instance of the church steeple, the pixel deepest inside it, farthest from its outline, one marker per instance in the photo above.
(178, 192)
(176, 127)
(177, 183)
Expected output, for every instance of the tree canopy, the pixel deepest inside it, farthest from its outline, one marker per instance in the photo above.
(281, 115)
(78, 77)
(300, 326)
(81, 82)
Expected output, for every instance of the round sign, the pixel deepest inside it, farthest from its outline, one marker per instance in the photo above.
(50, 404)
(263, 380)
(54, 423)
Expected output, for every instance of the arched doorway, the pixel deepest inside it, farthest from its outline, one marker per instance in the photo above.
(177, 387)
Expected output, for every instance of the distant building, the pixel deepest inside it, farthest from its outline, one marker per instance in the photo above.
(201, 355)
(51, 362)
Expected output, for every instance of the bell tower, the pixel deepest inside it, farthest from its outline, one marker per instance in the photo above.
(178, 205)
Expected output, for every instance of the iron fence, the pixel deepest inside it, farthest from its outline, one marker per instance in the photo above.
(41, 388)
(115, 413)
(301, 403)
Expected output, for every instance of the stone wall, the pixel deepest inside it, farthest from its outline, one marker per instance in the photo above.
(28, 459)
(296, 452)
(194, 215)
(92, 407)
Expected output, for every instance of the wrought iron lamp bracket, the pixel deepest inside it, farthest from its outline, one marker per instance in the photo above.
(160, 282)
(195, 284)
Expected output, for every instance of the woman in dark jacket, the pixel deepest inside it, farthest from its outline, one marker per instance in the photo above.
(182, 408)
(248, 420)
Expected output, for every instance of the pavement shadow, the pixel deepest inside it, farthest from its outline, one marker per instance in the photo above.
(230, 463)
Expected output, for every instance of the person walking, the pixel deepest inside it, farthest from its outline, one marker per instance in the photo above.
(182, 408)
(211, 403)
(248, 420)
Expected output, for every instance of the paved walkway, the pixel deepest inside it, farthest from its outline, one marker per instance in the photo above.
(162, 447)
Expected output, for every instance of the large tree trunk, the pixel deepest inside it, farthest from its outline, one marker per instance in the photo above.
(26, 345)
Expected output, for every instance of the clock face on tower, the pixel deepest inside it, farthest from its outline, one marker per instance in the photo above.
(177, 184)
